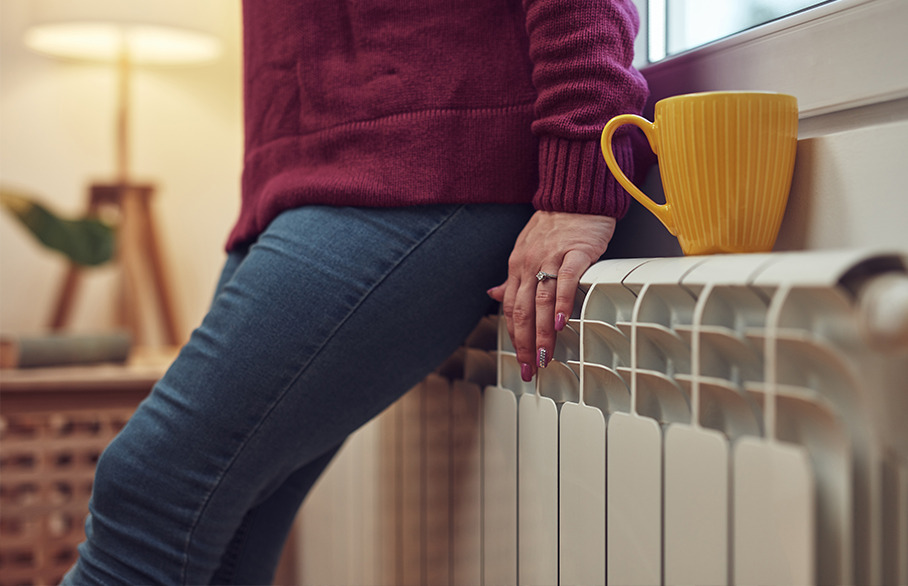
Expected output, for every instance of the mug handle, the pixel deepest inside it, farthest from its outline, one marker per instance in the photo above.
(662, 212)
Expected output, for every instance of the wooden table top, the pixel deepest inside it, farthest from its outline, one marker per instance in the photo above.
(75, 386)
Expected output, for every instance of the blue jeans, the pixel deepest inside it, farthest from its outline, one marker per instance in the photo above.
(325, 321)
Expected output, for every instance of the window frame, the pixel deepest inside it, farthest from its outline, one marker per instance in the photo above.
(833, 57)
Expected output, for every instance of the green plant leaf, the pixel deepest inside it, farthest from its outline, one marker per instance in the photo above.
(84, 241)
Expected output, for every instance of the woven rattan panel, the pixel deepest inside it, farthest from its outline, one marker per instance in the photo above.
(47, 462)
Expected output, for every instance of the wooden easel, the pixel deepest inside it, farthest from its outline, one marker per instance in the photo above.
(138, 252)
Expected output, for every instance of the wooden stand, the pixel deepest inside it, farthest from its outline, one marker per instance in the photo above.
(139, 257)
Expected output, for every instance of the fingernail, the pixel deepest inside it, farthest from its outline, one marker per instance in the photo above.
(526, 372)
(543, 357)
(489, 291)
(560, 322)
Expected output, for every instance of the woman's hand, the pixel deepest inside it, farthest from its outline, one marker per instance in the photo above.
(557, 243)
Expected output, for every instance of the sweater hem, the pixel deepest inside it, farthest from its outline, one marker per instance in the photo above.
(427, 113)
(442, 156)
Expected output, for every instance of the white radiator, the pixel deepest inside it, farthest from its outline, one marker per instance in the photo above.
(707, 420)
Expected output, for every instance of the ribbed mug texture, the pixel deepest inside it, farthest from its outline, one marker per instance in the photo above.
(726, 161)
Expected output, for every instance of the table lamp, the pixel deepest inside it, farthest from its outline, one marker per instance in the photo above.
(126, 35)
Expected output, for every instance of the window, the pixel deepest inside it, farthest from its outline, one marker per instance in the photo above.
(679, 25)
(834, 56)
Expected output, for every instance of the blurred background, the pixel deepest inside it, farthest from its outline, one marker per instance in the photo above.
(58, 127)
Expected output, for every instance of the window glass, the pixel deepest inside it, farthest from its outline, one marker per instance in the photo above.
(678, 25)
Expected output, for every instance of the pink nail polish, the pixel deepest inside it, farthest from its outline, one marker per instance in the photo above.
(526, 372)
(560, 321)
(543, 357)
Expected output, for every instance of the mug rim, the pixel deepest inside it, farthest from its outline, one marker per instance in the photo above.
(736, 93)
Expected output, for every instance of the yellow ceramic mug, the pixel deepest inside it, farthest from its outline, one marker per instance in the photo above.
(726, 161)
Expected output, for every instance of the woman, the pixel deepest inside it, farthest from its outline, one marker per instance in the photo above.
(395, 152)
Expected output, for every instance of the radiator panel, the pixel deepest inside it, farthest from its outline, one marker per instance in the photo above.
(772, 515)
(537, 523)
(710, 420)
(696, 500)
(499, 457)
(633, 500)
(581, 494)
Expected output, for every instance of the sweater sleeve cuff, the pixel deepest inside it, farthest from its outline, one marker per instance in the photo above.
(573, 177)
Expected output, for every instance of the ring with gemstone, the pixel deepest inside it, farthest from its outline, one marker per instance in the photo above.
(542, 276)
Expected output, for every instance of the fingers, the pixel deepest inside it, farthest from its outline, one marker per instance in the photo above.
(535, 311)
(508, 303)
(559, 243)
(523, 322)
(545, 319)
(572, 268)
(529, 310)
(497, 293)
(555, 304)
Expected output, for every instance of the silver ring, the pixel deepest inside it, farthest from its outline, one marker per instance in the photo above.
(543, 276)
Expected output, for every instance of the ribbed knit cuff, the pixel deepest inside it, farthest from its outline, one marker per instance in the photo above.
(573, 177)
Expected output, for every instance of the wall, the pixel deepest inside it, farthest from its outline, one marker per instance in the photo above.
(57, 136)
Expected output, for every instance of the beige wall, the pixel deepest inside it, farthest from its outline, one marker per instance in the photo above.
(57, 135)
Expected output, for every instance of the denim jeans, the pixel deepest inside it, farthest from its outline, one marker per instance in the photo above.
(320, 325)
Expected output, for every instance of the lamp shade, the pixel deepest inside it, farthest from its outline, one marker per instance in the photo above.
(158, 32)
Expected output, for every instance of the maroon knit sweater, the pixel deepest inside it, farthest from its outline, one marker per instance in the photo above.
(407, 102)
